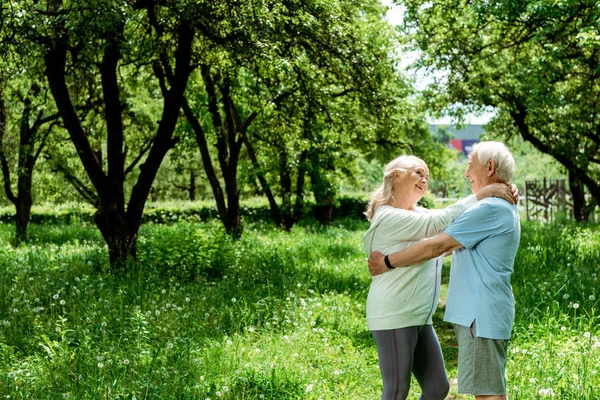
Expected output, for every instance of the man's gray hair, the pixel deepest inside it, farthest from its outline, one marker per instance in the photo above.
(504, 161)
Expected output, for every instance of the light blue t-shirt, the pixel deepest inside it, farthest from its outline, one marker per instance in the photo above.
(479, 286)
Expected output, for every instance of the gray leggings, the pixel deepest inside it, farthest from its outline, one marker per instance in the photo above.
(414, 349)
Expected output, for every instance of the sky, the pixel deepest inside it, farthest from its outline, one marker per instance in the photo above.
(394, 17)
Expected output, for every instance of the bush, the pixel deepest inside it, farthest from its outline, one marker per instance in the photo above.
(172, 212)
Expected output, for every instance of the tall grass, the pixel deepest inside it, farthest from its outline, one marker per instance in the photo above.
(271, 316)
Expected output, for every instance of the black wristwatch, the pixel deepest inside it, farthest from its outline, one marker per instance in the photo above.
(387, 262)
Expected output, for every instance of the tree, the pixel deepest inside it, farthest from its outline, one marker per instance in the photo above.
(26, 122)
(316, 80)
(535, 62)
(94, 52)
(33, 132)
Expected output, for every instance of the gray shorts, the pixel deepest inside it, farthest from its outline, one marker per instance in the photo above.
(481, 363)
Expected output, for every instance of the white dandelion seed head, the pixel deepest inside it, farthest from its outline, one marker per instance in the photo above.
(576, 305)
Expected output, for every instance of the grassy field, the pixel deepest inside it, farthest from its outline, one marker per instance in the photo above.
(272, 316)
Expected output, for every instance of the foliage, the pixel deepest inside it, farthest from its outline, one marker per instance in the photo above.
(535, 62)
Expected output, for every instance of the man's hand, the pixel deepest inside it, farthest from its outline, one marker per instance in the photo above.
(376, 264)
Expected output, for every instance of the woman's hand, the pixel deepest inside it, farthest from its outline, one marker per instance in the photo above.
(505, 191)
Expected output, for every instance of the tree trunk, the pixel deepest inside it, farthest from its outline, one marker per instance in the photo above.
(23, 208)
(120, 238)
(300, 180)
(274, 208)
(286, 189)
(192, 185)
(323, 192)
(581, 212)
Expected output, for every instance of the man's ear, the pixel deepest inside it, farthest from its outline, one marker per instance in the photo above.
(491, 167)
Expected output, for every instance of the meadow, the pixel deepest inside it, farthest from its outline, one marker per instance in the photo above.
(274, 315)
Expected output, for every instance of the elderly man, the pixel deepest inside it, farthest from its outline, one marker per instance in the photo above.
(480, 302)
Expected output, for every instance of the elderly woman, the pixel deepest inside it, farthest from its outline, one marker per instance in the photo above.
(401, 302)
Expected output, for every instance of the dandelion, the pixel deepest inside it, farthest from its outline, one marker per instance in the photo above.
(566, 296)
(309, 388)
(233, 300)
(62, 302)
(55, 297)
(225, 389)
(575, 306)
(163, 291)
(187, 299)
(337, 372)
(126, 361)
(592, 297)
(103, 324)
(169, 345)
(250, 329)
(586, 335)
(100, 365)
(562, 328)
(11, 374)
(218, 394)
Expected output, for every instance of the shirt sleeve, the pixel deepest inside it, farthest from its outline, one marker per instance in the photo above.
(404, 225)
(474, 225)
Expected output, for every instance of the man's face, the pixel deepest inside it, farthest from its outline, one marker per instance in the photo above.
(477, 173)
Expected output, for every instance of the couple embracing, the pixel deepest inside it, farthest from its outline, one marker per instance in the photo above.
(407, 245)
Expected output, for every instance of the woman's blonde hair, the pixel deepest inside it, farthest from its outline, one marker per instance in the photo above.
(385, 193)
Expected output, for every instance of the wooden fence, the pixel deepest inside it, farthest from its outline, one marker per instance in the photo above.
(545, 198)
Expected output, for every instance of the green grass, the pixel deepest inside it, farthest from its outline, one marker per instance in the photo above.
(275, 315)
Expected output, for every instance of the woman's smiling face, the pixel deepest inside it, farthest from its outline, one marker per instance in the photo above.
(414, 182)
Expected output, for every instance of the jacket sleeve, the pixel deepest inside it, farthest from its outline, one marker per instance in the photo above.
(403, 225)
